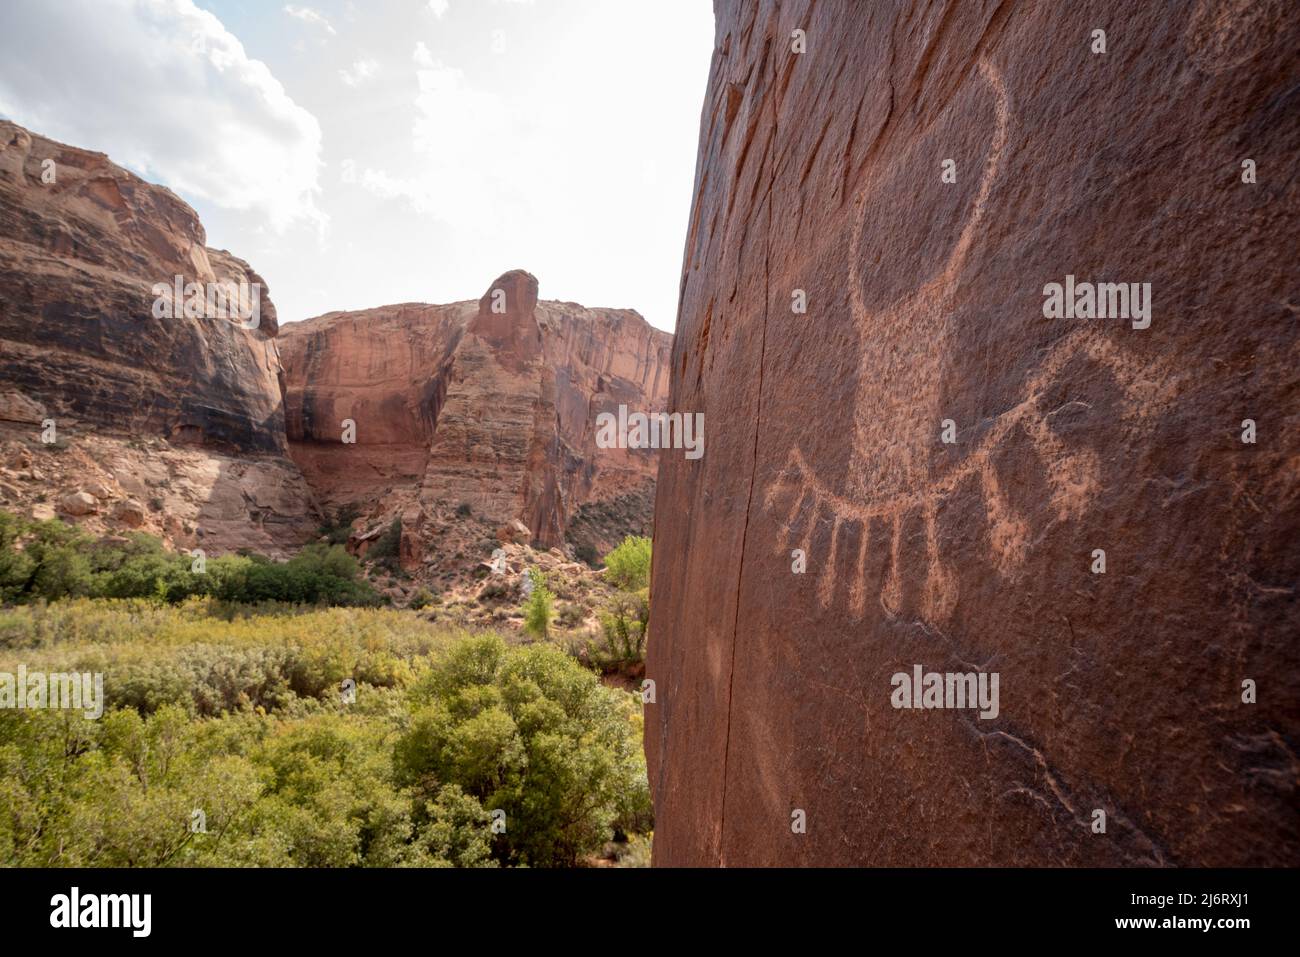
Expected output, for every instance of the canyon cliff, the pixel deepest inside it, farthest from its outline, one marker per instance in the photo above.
(176, 422)
(474, 423)
(485, 408)
(922, 468)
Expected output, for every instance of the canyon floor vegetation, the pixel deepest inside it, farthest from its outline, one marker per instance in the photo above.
(265, 713)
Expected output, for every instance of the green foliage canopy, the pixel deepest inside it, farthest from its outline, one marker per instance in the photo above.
(628, 565)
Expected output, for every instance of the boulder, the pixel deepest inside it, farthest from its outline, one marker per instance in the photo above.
(130, 513)
(16, 407)
(100, 491)
(78, 503)
(515, 532)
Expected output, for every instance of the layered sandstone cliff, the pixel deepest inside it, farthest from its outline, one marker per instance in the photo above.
(485, 407)
(1127, 730)
(181, 411)
(466, 417)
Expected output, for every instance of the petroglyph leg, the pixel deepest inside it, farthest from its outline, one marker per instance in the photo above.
(826, 577)
(940, 584)
(858, 583)
(891, 596)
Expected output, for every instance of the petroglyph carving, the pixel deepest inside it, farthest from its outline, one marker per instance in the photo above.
(906, 350)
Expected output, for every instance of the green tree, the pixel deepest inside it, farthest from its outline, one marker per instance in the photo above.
(59, 554)
(539, 606)
(388, 545)
(457, 831)
(527, 731)
(338, 530)
(624, 624)
(16, 567)
(628, 565)
(51, 560)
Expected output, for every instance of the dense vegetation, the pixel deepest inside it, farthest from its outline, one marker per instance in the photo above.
(48, 560)
(241, 717)
(302, 735)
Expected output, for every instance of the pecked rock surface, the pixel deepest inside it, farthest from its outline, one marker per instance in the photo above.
(82, 243)
(1120, 692)
(486, 407)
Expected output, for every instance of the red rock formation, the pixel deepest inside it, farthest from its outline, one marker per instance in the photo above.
(489, 405)
(1121, 691)
(80, 256)
(82, 244)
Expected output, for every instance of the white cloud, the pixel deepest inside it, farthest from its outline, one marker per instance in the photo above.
(573, 156)
(439, 7)
(359, 72)
(451, 113)
(308, 15)
(163, 88)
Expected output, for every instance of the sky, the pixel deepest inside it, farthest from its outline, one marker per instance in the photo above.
(379, 151)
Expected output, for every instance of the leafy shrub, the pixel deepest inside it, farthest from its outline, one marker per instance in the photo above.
(387, 546)
(628, 565)
(455, 830)
(57, 552)
(319, 574)
(623, 626)
(635, 852)
(498, 589)
(530, 732)
(539, 606)
(422, 598)
(571, 615)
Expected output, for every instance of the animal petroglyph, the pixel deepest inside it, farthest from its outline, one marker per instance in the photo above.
(905, 353)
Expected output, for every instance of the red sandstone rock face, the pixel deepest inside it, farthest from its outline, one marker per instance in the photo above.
(1119, 692)
(80, 252)
(79, 257)
(490, 405)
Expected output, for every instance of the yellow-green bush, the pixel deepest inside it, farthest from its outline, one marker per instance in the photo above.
(628, 565)
(240, 716)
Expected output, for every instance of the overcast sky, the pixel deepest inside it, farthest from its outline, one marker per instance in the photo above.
(363, 153)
